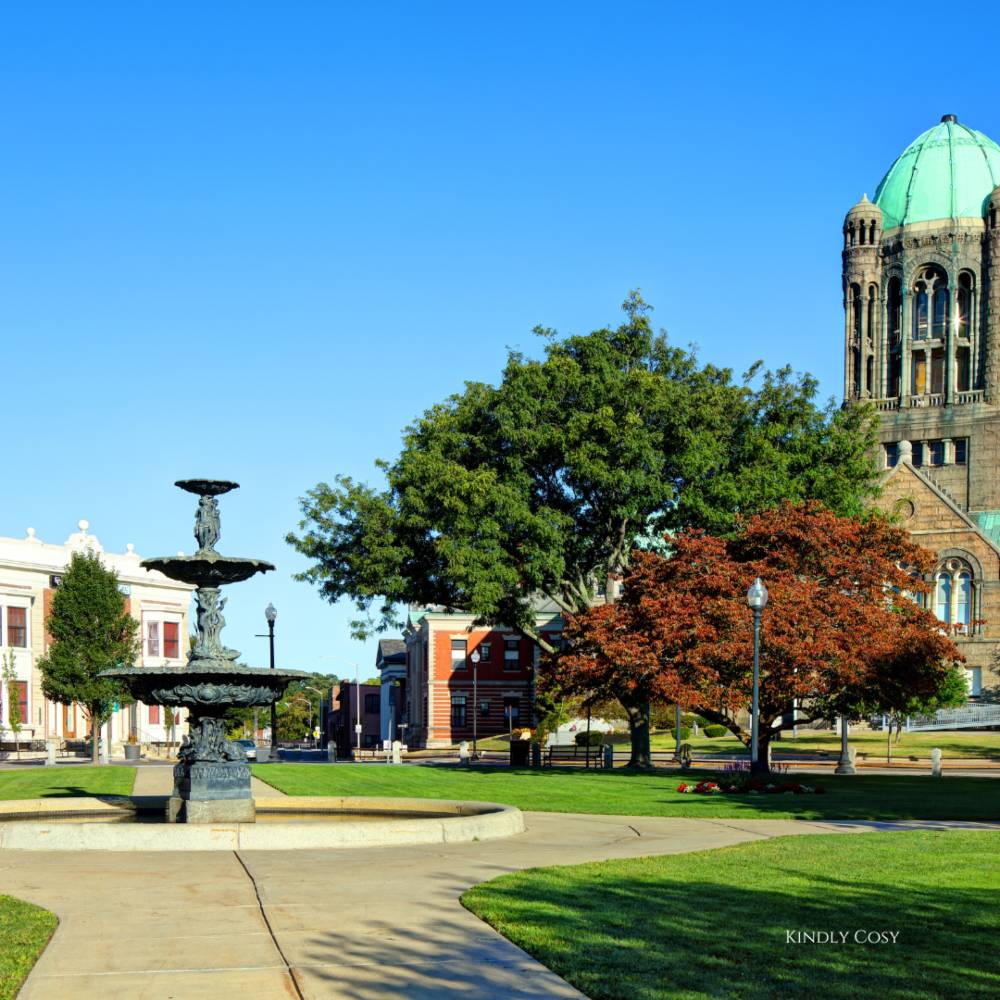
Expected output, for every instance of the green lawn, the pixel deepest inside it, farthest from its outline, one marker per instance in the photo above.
(24, 932)
(626, 793)
(43, 783)
(716, 923)
(972, 743)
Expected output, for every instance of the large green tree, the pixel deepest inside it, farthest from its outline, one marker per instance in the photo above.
(91, 631)
(541, 485)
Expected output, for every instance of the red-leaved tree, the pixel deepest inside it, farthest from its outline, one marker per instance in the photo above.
(842, 628)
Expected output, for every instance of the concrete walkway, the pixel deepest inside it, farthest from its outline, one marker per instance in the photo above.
(348, 924)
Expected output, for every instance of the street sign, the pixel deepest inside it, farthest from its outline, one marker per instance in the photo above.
(357, 727)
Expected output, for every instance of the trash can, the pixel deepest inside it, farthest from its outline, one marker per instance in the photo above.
(519, 750)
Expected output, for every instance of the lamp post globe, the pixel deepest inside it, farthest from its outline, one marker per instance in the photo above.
(757, 600)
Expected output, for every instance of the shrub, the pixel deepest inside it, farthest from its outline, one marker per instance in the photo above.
(594, 738)
(713, 731)
(685, 733)
(689, 719)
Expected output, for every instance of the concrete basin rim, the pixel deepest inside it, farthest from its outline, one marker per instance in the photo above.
(470, 821)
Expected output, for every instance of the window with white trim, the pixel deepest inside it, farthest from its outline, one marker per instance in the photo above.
(153, 639)
(15, 632)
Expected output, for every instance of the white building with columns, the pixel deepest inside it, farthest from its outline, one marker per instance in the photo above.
(30, 572)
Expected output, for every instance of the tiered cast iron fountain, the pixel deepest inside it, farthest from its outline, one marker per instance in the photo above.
(212, 777)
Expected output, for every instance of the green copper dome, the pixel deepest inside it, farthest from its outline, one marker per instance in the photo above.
(946, 173)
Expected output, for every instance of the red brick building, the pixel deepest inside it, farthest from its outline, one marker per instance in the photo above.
(444, 687)
(351, 704)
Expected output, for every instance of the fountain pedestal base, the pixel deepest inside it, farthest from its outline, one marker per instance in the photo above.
(210, 810)
(211, 792)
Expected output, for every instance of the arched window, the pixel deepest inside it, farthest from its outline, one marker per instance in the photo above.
(963, 370)
(851, 231)
(869, 374)
(856, 312)
(942, 597)
(920, 311)
(940, 327)
(895, 302)
(872, 314)
(963, 599)
(954, 593)
(871, 232)
(963, 303)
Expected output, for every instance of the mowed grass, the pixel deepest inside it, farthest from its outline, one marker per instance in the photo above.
(24, 932)
(43, 783)
(716, 923)
(629, 793)
(955, 744)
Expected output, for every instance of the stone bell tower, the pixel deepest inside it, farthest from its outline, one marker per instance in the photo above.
(921, 283)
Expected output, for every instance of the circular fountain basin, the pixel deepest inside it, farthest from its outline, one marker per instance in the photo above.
(286, 823)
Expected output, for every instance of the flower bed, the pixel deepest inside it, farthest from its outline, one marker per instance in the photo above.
(750, 786)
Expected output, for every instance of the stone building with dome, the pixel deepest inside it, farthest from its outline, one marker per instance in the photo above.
(921, 282)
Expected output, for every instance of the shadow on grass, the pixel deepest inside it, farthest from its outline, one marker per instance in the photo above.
(659, 928)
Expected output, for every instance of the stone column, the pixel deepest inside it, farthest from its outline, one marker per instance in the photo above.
(949, 342)
(848, 339)
(906, 340)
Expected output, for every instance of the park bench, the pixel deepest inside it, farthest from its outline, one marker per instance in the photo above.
(588, 756)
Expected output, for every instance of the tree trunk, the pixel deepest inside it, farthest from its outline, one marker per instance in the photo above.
(764, 736)
(638, 725)
(95, 738)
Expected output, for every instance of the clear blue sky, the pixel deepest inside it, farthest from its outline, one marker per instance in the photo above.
(293, 226)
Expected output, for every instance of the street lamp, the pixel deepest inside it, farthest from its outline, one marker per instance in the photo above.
(757, 599)
(475, 703)
(319, 710)
(271, 614)
(844, 765)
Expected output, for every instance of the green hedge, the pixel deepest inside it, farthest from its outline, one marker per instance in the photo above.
(688, 719)
(713, 731)
(596, 738)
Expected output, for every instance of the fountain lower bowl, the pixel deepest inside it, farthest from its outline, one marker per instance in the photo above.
(285, 823)
(206, 686)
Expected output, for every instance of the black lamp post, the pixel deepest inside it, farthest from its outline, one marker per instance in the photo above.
(475, 703)
(271, 614)
(757, 599)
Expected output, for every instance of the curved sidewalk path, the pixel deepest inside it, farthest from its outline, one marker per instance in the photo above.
(345, 924)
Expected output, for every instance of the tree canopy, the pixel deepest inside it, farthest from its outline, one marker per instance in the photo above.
(91, 631)
(842, 631)
(542, 485)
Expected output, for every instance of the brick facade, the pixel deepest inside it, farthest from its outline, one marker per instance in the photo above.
(443, 687)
